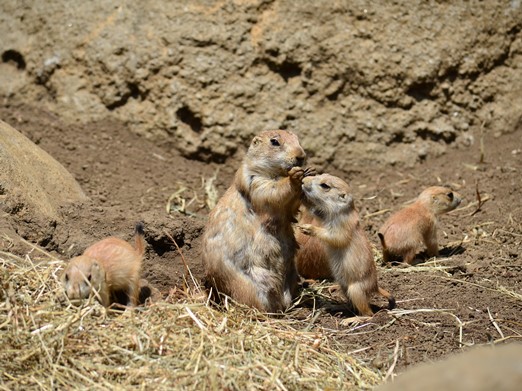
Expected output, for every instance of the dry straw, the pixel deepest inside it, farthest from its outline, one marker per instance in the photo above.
(182, 342)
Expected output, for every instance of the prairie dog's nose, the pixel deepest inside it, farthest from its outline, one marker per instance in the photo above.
(307, 179)
(307, 182)
(457, 197)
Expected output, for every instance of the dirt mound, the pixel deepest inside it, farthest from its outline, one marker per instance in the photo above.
(34, 187)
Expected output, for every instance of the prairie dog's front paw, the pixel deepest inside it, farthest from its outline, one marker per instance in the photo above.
(310, 171)
(307, 229)
(296, 174)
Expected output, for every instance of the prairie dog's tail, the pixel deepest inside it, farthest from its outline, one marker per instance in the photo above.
(139, 238)
(385, 253)
(388, 295)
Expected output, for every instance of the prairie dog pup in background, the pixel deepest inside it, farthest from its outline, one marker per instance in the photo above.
(348, 250)
(109, 266)
(249, 244)
(414, 227)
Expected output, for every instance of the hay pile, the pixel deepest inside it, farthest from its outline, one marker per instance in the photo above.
(181, 342)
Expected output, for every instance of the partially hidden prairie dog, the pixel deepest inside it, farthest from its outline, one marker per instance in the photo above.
(108, 267)
(311, 259)
(414, 227)
(347, 247)
(249, 244)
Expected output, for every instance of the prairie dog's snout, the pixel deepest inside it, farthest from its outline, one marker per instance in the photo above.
(307, 184)
(299, 161)
(82, 274)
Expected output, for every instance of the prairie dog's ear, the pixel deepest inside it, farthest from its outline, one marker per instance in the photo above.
(346, 198)
(256, 140)
(97, 272)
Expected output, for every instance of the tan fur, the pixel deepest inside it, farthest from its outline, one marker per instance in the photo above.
(414, 227)
(338, 228)
(108, 266)
(249, 245)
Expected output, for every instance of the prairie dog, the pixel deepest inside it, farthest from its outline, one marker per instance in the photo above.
(407, 231)
(109, 266)
(347, 247)
(249, 244)
(311, 258)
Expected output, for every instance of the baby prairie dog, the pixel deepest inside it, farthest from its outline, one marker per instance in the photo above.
(249, 244)
(109, 266)
(407, 231)
(348, 250)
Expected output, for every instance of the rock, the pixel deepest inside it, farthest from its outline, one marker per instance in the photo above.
(33, 185)
(496, 368)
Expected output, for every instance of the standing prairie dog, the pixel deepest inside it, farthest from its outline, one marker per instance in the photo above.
(348, 250)
(109, 266)
(249, 244)
(407, 231)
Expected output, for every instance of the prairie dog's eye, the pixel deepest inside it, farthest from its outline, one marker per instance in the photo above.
(275, 142)
(66, 278)
(325, 186)
(89, 277)
(450, 196)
